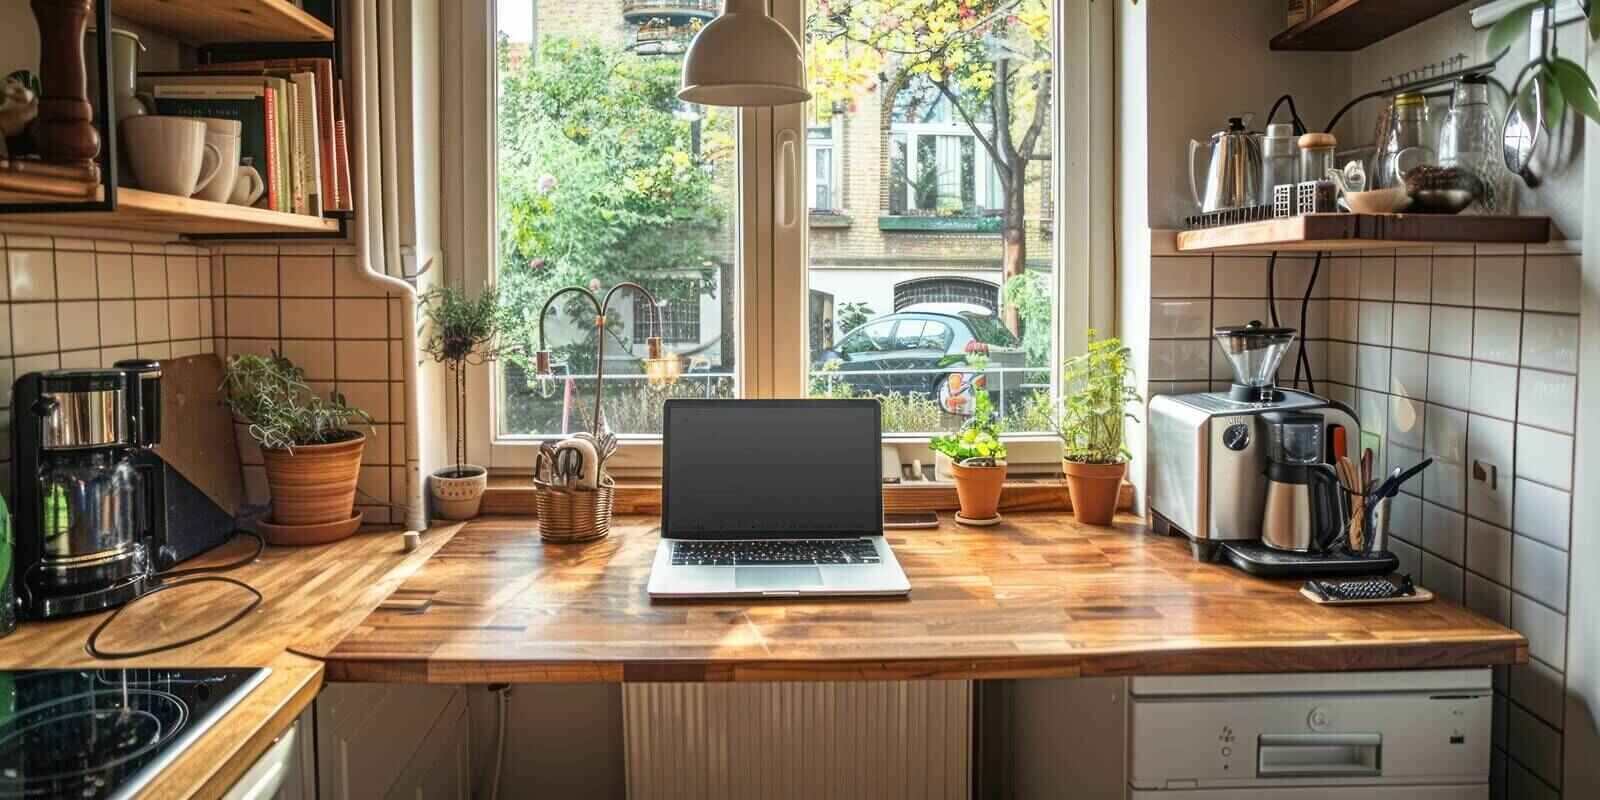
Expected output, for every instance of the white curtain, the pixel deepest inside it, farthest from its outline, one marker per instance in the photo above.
(391, 58)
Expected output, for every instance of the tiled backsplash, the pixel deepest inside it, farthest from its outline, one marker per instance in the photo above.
(67, 303)
(1470, 356)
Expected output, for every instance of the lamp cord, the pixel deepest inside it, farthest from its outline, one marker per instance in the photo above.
(206, 575)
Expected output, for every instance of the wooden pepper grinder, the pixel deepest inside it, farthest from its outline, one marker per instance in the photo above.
(64, 130)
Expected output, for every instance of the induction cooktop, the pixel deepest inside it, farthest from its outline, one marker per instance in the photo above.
(95, 734)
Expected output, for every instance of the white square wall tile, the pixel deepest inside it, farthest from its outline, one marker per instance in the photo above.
(1409, 556)
(250, 275)
(184, 315)
(1555, 283)
(1408, 374)
(1413, 279)
(1544, 513)
(149, 276)
(183, 276)
(33, 274)
(1376, 324)
(1239, 276)
(1497, 336)
(1494, 390)
(252, 318)
(1444, 533)
(1452, 279)
(5, 335)
(1406, 422)
(116, 323)
(1545, 628)
(312, 276)
(1450, 331)
(75, 276)
(1488, 549)
(1445, 579)
(1540, 572)
(33, 328)
(1372, 408)
(1488, 598)
(368, 319)
(362, 360)
(313, 356)
(1491, 446)
(1342, 316)
(1540, 689)
(1344, 277)
(1411, 323)
(1293, 273)
(1446, 443)
(1377, 277)
(151, 322)
(307, 318)
(115, 274)
(1449, 381)
(1547, 399)
(1181, 360)
(1544, 456)
(351, 279)
(1550, 341)
(80, 325)
(1534, 745)
(1499, 281)
(1170, 276)
(1372, 368)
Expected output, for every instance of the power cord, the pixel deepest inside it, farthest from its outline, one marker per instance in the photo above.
(503, 703)
(206, 576)
(1302, 359)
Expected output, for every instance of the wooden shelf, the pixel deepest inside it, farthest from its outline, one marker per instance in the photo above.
(149, 211)
(213, 21)
(1317, 232)
(1354, 24)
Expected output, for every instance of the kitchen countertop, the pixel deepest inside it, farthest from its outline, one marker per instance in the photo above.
(312, 598)
(1037, 596)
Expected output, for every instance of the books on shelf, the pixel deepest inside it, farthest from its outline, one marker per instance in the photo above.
(291, 115)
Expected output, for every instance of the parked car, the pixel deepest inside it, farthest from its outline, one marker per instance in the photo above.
(917, 350)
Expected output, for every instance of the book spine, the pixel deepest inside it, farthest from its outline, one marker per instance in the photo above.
(310, 142)
(297, 159)
(274, 163)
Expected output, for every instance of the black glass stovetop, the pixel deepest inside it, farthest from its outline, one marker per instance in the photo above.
(105, 733)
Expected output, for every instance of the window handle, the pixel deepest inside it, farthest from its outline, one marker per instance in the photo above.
(788, 176)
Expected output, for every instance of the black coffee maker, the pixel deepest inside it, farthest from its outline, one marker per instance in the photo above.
(81, 504)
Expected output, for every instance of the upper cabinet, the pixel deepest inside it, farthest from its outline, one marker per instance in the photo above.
(1354, 24)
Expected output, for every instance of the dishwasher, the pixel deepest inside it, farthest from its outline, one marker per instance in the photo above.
(1421, 735)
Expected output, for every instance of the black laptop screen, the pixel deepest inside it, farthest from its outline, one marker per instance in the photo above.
(771, 469)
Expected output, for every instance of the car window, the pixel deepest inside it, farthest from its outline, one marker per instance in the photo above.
(936, 337)
(989, 330)
(909, 335)
(875, 337)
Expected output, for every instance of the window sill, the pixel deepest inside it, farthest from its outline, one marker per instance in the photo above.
(510, 495)
(939, 224)
(826, 221)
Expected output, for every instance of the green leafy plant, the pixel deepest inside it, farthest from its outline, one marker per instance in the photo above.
(270, 395)
(461, 331)
(853, 315)
(1562, 82)
(978, 441)
(1095, 411)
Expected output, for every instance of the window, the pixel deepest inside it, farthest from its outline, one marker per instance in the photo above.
(757, 301)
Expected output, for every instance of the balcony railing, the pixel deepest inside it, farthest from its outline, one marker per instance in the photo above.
(704, 9)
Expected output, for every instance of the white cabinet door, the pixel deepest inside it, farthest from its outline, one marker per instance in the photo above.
(369, 735)
(440, 770)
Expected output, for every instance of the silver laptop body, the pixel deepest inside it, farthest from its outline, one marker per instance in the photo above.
(744, 479)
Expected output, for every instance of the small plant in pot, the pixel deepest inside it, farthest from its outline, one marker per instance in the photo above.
(461, 332)
(311, 452)
(1093, 427)
(978, 461)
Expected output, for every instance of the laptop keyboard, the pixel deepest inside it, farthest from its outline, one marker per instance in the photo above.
(785, 552)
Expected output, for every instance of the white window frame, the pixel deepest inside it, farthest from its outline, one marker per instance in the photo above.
(772, 359)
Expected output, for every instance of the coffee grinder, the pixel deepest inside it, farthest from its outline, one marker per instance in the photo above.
(81, 504)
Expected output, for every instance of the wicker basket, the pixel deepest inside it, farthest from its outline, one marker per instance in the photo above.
(568, 516)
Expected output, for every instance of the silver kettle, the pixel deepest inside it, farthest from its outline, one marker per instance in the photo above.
(1233, 178)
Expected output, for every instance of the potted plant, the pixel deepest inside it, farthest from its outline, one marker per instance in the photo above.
(460, 332)
(1093, 424)
(312, 455)
(978, 462)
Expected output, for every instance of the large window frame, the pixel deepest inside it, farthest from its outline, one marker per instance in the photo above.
(771, 232)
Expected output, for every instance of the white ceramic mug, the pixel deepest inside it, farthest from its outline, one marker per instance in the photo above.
(224, 135)
(248, 187)
(170, 154)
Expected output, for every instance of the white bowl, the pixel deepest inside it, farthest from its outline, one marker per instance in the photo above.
(1378, 201)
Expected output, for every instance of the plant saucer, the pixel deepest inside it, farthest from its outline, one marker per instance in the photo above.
(979, 523)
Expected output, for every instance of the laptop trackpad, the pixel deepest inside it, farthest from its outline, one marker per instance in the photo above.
(776, 577)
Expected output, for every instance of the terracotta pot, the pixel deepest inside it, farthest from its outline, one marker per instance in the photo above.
(1094, 490)
(316, 483)
(979, 489)
(458, 491)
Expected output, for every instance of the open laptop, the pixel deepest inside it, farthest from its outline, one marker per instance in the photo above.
(773, 498)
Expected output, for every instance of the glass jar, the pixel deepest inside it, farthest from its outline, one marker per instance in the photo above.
(1409, 142)
(1317, 156)
(1470, 140)
(1280, 163)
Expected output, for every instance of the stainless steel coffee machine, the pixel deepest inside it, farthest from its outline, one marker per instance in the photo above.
(82, 507)
(1209, 450)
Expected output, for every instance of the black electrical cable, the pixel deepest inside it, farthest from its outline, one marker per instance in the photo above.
(1299, 125)
(1305, 303)
(1272, 293)
(94, 650)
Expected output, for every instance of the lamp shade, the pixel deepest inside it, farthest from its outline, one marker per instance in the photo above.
(744, 58)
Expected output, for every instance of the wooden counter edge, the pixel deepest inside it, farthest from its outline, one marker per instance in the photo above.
(1508, 649)
(210, 767)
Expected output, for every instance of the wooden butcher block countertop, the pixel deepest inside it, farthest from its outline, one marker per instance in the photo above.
(1037, 596)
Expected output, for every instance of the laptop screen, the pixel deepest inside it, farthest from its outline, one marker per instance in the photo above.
(771, 469)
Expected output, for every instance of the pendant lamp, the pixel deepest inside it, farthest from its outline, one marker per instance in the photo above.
(744, 58)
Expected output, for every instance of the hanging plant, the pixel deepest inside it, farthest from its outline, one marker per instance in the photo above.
(1561, 82)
